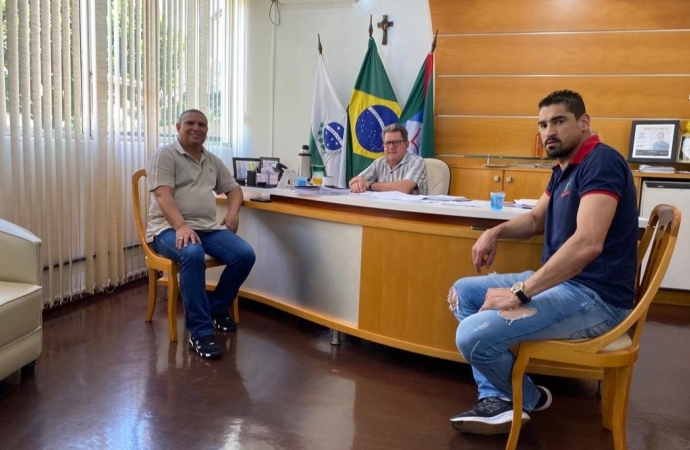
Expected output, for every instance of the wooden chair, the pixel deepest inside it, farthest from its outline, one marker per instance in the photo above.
(157, 263)
(616, 351)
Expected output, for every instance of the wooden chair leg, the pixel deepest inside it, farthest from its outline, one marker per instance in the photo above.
(518, 375)
(173, 292)
(620, 407)
(607, 396)
(153, 291)
(236, 310)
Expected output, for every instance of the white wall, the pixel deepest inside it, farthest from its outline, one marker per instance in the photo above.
(281, 63)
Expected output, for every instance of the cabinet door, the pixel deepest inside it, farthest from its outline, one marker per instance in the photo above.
(475, 184)
(525, 184)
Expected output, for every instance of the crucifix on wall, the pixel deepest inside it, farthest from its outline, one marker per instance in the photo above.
(384, 24)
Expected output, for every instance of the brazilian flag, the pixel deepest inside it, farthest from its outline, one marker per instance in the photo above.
(373, 106)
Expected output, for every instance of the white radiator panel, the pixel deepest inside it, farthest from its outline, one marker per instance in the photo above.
(676, 193)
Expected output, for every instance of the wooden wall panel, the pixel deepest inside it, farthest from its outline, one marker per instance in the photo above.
(501, 16)
(495, 60)
(564, 54)
(614, 96)
(485, 135)
(511, 136)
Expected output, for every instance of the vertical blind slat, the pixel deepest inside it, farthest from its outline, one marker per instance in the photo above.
(92, 85)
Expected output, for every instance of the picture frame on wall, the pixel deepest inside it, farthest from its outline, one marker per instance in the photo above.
(240, 166)
(654, 141)
(684, 149)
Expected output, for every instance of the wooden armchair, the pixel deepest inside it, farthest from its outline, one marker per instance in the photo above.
(616, 351)
(157, 263)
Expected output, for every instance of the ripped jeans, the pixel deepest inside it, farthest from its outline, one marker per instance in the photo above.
(567, 311)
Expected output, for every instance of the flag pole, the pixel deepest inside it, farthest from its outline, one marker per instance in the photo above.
(320, 48)
(371, 28)
(433, 44)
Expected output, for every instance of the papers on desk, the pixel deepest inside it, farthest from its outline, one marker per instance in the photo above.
(399, 196)
(473, 203)
(443, 199)
(659, 169)
(320, 190)
(390, 195)
(527, 203)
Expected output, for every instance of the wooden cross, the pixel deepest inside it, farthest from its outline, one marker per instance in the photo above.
(384, 24)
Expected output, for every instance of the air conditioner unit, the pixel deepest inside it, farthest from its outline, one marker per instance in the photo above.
(316, 3)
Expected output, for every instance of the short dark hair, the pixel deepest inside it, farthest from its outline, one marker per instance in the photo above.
(190, 111)
(392, 128)
(571, 99)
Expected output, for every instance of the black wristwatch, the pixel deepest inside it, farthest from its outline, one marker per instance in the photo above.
(517, 290)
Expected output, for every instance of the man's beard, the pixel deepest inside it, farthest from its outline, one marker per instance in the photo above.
(557, 151)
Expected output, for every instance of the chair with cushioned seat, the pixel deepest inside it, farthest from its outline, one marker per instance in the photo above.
(156, 263)
(614, 352)
(438, 175)
(21, 299)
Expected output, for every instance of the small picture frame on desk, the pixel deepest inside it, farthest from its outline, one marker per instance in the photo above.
(684, 149)
(240, 166)
(654, 141)
(268, 162)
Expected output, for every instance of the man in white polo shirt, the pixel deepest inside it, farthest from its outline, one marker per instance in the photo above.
(182, 178)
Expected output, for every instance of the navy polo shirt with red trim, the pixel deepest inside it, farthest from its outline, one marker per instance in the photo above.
(597, 169)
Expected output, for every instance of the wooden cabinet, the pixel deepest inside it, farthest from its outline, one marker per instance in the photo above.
(473, 183)
(477, 182)
(525, 184)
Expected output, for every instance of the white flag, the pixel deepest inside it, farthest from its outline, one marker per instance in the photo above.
(327, 140)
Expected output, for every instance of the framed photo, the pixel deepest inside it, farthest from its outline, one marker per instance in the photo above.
(268, 162)
(654, 141)
(240, 166)
(684, 149)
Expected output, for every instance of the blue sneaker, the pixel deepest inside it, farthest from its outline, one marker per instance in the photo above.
(544, 399)
(491, 415)
(224, 322)
(205, 347)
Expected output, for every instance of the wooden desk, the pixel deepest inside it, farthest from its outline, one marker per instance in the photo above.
(377, 270)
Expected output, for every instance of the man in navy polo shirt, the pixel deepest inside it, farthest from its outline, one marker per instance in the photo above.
(585, 286)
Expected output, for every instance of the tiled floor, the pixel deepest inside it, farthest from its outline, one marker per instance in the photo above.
(107, 379)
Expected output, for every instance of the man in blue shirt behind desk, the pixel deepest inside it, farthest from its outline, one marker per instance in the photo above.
(585, 287)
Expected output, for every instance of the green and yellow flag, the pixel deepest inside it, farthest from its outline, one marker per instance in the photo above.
(373, 106)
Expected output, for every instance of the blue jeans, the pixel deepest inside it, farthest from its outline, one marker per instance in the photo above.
(223, 245)
(567, 311)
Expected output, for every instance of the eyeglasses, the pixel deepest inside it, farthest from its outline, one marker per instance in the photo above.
(394, 144)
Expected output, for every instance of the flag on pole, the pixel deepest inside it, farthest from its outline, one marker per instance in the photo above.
(373, 106)
(327, 140)
(418, 114)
